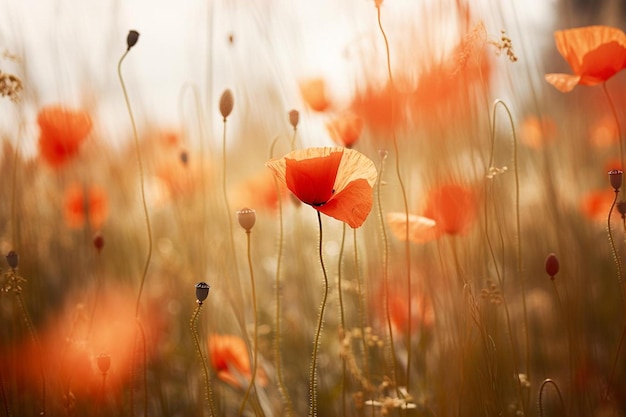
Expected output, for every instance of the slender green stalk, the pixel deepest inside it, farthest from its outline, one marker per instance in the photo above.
(394, 359)
(205, 368)
(147, 220)
(255, 337)
(619, 129)
(342, 319)
(277, 339)
(616, 258)
(519, 253)
(318, 332)
(407, 248)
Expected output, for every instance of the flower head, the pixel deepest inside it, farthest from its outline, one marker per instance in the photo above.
(594, 53)
(85, 204)
(229, 357)
(62, 132)
(313, 93)
(335, 181)
(345, 129)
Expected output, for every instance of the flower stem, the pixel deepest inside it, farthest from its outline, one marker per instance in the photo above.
(205, 368)
(318, 332)
(342, 319)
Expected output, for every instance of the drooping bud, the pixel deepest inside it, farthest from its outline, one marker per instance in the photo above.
(615, 178)
(12, 259)
(227, 102)
(98, 242)
(247, 218)
(202, 292)
(294, 118)
(131, 39)
(552, 265)
(104, 362)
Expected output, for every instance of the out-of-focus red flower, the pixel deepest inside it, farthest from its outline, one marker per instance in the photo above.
(61, 133)
(345, 129)
(594, 53)
(259, 191)
(603, 132)
(380, 109)
(335, 181)
(229, 357)
(595, 205)
(453, 207)
(313, 91)
(536, 132)
(85, 204)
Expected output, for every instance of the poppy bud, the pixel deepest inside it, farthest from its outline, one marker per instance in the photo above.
(184, 157)
(98, 242)
(104, 362)
(294, 118)
(621, 207)
(12, 259)
(227, 102)
(615, 178)
(132, 38)
(552, 265)
(202, 292)
(247, 218)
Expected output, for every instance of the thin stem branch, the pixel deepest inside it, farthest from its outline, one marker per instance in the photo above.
(205, 368)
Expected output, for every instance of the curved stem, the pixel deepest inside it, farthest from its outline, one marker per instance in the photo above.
(205, 368)
(394, 359)
(255, 337)
(277, 339)
(407, 248)
(141, 180)
(342, 320)
(616, 257)
(619, 130)
(556, 388)
(318, 331)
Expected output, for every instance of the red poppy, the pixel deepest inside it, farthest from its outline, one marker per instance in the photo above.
(379, 108)
(85, 204)
(453, 207)
(259, 191)
(595, 205)
(313, 93)
(62, 131)
(345, 129)
(228, 355)
(594, 53)
(335, 181)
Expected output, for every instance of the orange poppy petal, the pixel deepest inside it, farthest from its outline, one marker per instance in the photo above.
(313, 92)
(312, 180)
(602, 63)
(354, 165)
(453, 207)
(421, 229)
(563, 82)
(352, 205)
(345, 129)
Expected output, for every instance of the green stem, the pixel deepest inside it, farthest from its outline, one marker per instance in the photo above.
(407, 248)
(205, 368)
(558, 391)
(619, 130)
(255, 340)
(342, 320)
(318, 332)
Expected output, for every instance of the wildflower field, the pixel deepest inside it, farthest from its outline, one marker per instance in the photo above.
(431, 223)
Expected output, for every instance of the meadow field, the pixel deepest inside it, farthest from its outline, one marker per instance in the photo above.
(359, 208)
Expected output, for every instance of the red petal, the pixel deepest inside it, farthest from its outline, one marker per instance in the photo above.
(312, 180)
(352, 205)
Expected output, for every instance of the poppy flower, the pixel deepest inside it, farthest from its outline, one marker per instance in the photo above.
(313, 93)
(335, 181)
(229, 357)
(594, 53)
(62, 131)
(259, 191)
(421, 229)
(83, 205)
(595, 205)
(453, 207)
(345, 129)
(379, 108)
(536, 132)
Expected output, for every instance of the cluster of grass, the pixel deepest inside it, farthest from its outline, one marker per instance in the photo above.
(488, 278)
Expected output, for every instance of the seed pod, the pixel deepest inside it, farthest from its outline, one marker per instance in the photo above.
(615, 178)
(202, 292)
(247, 218)
(104, 362)
(294, 118)
(98, 242)
(552, 265)
(12, 259)
(227, 102)
(131, 39)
